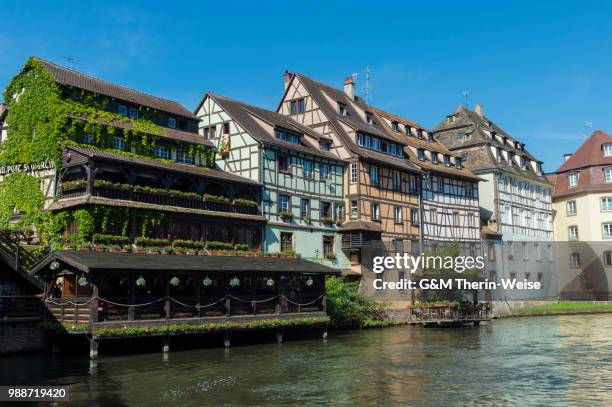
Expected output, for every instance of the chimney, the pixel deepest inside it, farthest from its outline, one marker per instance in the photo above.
(349, 87)
(566, 157)
(478, 110)
(286, 78)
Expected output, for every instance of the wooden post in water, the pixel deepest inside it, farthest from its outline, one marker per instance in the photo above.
(279, 335)
(166, 344)
(324, 333)
(93, 348)
(226, 339)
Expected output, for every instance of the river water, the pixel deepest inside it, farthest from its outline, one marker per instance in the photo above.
(548, 361)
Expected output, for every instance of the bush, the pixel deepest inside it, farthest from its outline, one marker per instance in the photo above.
(245, 202)
(347, 308)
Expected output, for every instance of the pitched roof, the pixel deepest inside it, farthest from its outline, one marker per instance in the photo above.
(589, 153)
(70, 77)
(435, 146)
(590, 163)
(480, 132)
(92, 262)
(150, 162)
(321, 93)
(247, 116)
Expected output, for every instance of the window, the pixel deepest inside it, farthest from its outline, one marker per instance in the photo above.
(305, 208)
(283, 163)
(324, 146)
(607, 150)
(575, 260)
(326, 210)
(183, 157)
(119, 143)
(369, 118)
(458, 163)
(353, 175)
(288, 137)
(572, 180)
(328, 245)
(354, 210)
(413, 183)
(459, 135)
(606, 204)
(172, 122)
(572, 233)
(87, 138)
(338, 212)
(308, 169)
(182, 124)
(342, 109)
(283, 203)
(325, 171)
(528, 276)
(408, 131)
(122, 110)
(456, 219)
(226, 128)
(421, 154)
(414, 216)
(570, 208)
(399, 218)
(607, 230)
(374, 175)
(450, 119)
(420, 134)
(430, 137)
(607, 257)
(133, 113)
(608, 175)
(525, 251)
(375, 211)
(297, 106)
(491, 251)
(447, 160)
(395, 126)
(286, 239)
(398, 245)
(434, 157)
(397, 181)
(162, 152)
(540, 278)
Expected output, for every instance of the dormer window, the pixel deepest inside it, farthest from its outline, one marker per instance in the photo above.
(458, 163)
(421, 154)
(522, 162)
(539, 168)
(408, 131)
(447, 161)
(288, 137)
(510, 158)
(122, 110)
(430, 137)
(325, 146)
(572, 180)
(607, 150)
(342, 109)
(369, 118)
(395, 126)
(498, 153)
(172, 122)
(459, 135)
(451, 118)
(434, 157)
(420, 134)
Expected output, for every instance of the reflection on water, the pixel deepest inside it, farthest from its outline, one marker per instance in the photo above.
(531, 361)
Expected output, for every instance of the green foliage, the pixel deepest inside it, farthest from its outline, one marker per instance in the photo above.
(84, 224)
(20, 192)
(347, 308)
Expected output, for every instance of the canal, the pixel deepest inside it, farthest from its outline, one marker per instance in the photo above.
(529, 361)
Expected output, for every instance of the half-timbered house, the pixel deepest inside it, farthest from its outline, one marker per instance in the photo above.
(302, 183)
(449, 190)
(381, 188)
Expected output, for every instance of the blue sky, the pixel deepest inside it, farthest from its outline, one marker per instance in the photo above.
(541, 69)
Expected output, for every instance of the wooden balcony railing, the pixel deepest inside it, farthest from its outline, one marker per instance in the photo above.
(160, 199)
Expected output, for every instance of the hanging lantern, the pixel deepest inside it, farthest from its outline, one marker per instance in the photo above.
(207, 282)
(234, 282)
(54, 265)
(270, 282)
(83, 281)
(175, 281)
(141, 282)
(309, 282)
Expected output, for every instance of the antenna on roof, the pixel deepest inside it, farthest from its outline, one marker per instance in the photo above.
(588, 126)
(366, 85)
(466, 96)
(71, 61)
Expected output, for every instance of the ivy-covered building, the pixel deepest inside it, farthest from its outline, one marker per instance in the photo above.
(303, 182)
(130, 167)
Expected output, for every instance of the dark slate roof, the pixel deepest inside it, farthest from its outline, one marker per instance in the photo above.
(101, 261)
(478, 158)
(247, 116)
(321, 93)
(166, 132)
(70, 77)
(150, 162)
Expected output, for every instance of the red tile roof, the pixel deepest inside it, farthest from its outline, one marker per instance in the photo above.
(589, 153)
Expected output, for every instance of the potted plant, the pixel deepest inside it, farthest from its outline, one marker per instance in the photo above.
(168, 250)
(114, 248)
(179, 251)
(286, 216)
(339, 222)
(101, 248)
(330, 256)
(307, 219)
(326, 220)
(153, 250)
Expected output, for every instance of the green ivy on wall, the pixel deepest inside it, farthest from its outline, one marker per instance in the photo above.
(43, 117)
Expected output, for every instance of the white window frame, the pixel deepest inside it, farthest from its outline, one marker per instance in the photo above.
(572, 233)
(280, 207)
(325, 171)
(608, 175)
(606, 230)
(607, 150)
(398, 215)
(375, 211)
(606, 204)
(572, 180)
(353, 173)
(354, 211)
(571, 208)
(308, 169)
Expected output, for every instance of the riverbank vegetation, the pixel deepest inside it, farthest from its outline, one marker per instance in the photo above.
(563, 308)
(348, 308)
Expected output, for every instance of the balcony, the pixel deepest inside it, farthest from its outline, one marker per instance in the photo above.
(160, 197)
